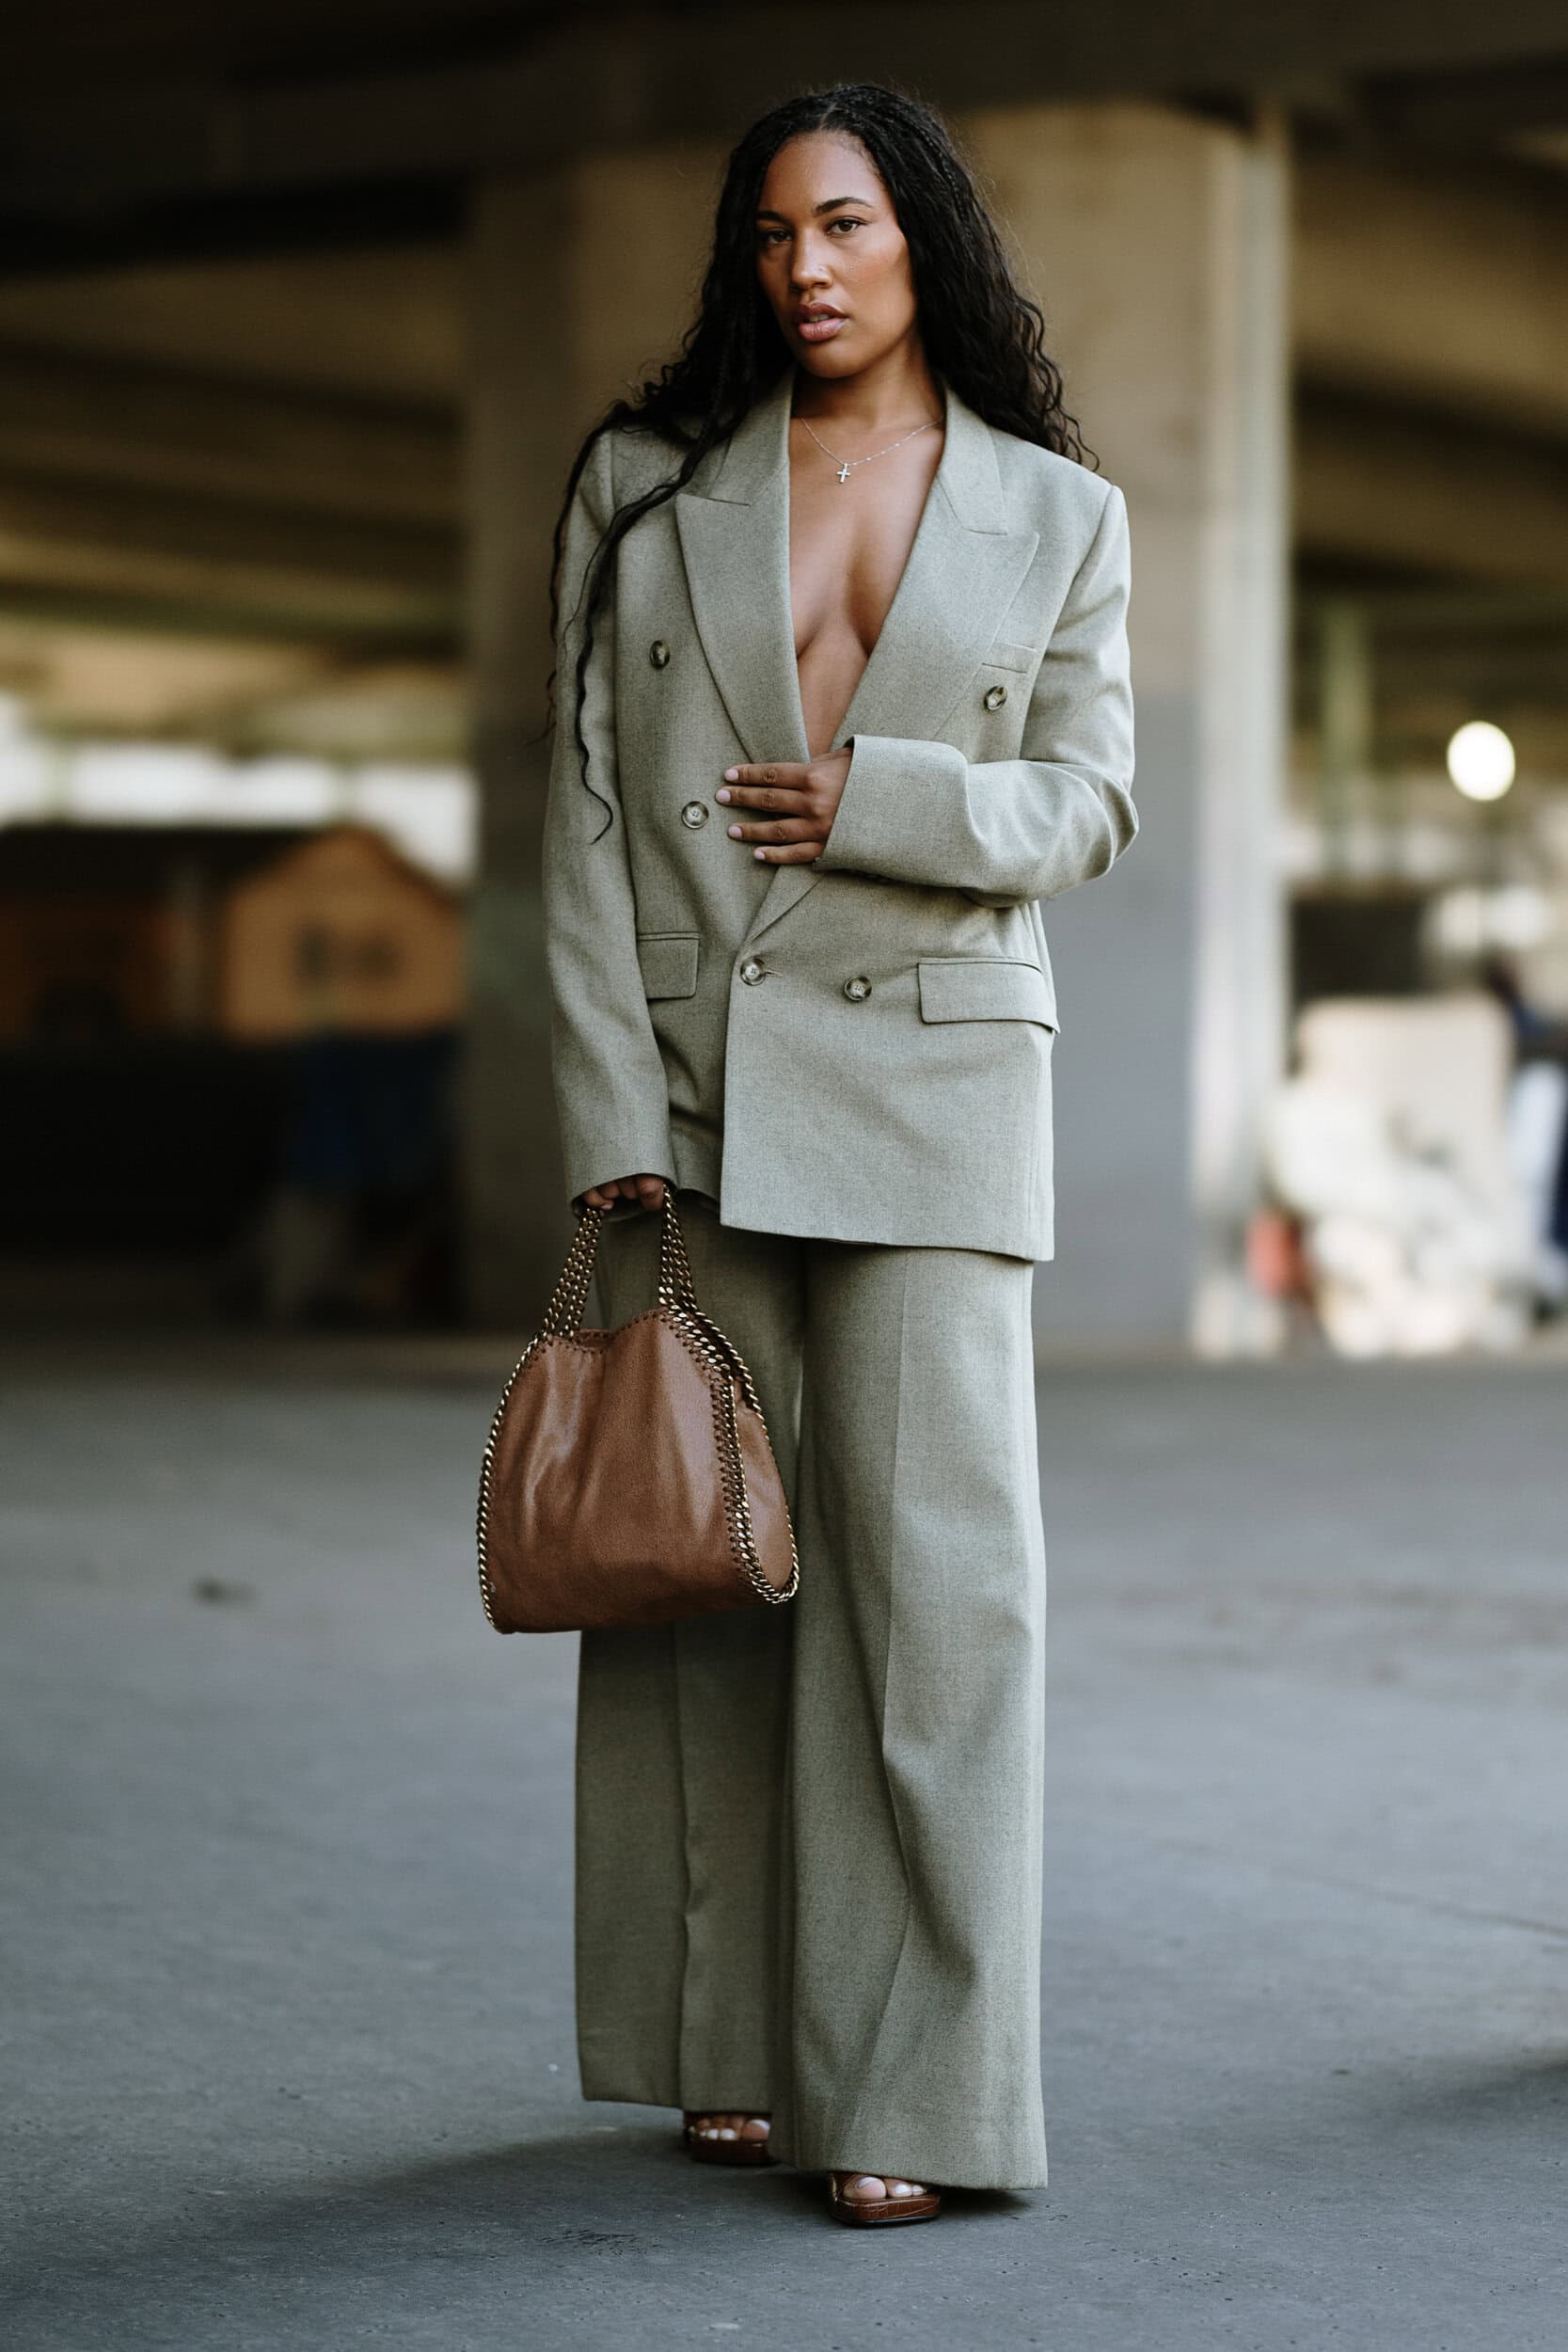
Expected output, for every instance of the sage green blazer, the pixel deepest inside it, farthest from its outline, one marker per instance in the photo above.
(858, 1049)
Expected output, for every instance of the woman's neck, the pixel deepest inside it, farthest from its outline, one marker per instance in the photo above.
(897, 390)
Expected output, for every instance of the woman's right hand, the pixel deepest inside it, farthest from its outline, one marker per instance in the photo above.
(644, 1192)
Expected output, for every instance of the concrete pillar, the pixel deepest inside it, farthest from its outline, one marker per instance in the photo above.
(1157, 245)
(579, 282)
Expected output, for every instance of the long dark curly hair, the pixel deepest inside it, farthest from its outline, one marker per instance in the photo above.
(982, 335)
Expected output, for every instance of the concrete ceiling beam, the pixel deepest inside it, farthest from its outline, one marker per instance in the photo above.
(63, 417)
(109, 549)
(654, 74)
(376, 328)
(1381, 486)
(1444, 288)
(1445, 116)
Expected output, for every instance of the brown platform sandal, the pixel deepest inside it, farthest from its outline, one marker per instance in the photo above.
(868, 2213)
(711, 2148)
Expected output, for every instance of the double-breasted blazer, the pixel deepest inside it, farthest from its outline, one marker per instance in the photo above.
(857, 1049)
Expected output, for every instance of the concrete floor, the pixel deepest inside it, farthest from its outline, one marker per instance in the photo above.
(285, 1903)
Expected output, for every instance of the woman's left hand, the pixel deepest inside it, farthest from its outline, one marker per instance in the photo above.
(803, 798)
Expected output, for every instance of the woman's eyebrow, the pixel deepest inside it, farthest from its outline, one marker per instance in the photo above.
(828, 204)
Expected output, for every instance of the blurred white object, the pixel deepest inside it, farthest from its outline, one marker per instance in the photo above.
(1537, 1122)
(1480, 760)
(1470, 921)
(1390, 1144)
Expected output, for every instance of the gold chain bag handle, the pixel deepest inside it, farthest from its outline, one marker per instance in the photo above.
(678, 1293)
(677, 1297)
(569, 1300)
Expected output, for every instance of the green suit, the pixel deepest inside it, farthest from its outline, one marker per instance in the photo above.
(809, 1839)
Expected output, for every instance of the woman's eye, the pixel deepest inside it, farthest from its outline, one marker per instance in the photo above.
(771, 236)
(848, 223)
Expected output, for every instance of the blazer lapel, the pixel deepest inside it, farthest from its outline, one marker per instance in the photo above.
(963, 571)
(735, 544)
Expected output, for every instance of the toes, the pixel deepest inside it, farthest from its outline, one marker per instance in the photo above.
(730, 2126)
(871, 2189)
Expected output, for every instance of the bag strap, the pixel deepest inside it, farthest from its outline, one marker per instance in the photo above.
(569, 1302)
(675, 1267)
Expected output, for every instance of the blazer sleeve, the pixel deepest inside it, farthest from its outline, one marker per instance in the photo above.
(610, 1084)
(1009, 831)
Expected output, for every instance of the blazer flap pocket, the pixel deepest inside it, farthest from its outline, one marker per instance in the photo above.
(1004, 654)
(667, 961)
(985, 988)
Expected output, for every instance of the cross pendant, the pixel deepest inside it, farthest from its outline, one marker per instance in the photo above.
(844, 473)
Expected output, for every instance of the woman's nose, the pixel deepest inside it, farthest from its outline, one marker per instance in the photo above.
(810, 267)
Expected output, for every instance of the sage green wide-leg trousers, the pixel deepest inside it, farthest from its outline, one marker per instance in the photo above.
(809, 1838)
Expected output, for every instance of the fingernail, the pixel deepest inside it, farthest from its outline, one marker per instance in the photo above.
(731, 775)
(722, 796)
(735, 832)
(762, 854)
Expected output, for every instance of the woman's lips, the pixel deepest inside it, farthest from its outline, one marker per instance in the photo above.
(819, 330)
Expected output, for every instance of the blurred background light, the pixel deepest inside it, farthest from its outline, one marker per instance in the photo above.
(426, 810)
(1480, 760)
(1471, 922)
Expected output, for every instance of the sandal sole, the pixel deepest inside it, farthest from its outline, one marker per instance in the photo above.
(731, 2152)
(886, 2213)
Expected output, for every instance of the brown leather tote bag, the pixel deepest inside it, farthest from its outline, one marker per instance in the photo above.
(629, 1479)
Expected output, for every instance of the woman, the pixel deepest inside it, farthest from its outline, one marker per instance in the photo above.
(846, 692)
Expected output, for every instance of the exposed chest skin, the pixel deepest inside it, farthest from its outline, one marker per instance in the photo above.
(848, 544)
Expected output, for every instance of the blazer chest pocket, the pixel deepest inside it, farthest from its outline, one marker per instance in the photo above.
(668, 961)
(985, 988)
(1004, 654)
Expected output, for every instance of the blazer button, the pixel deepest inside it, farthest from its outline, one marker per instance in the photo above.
(659, 654)
(858, 990)
(751, 972)
(694, 814)
(995, 697)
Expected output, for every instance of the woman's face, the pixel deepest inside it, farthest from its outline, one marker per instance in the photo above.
(832, 258)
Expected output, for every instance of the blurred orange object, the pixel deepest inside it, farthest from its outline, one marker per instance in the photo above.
(1276, 1261)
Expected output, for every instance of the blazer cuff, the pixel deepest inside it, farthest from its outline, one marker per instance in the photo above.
(651, 1154)
(897, 808)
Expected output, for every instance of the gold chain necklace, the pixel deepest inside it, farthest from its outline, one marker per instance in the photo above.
(847, 465)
